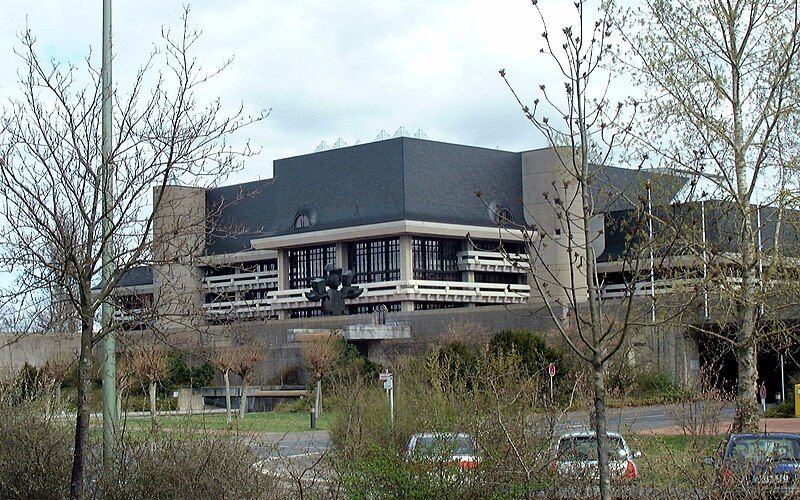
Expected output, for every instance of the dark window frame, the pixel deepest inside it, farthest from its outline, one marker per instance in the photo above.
(374, 261)
(436, 259)
(308, 263)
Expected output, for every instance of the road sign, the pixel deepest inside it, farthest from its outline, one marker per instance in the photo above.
(388, 384)
(384, 376)
(551, 370)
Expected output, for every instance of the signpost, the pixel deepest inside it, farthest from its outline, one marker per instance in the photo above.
(388, 384)
(551, 370)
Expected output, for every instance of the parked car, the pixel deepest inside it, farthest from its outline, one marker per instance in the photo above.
(448, 448)
(575, 455)
(767, 462)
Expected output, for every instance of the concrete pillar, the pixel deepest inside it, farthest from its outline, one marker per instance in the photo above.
(283, 270)
(341, 256)
(179, 231)
(548, 171)
(406, 267)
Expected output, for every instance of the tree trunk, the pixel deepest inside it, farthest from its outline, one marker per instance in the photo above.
(318, 398)
(59, 405)
(242, 401)
(152, 406)
(120, 395)
(76, 487)
(225, 375)
(601, 430)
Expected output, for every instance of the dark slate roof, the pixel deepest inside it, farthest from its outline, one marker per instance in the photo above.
(391, 180)
(135, 276)
(617, 188)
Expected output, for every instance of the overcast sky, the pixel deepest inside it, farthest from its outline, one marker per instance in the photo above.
(327, 69)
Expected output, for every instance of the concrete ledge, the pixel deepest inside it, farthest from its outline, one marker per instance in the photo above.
(353, 332)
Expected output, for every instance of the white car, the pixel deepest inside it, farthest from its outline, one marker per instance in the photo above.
(575, 455)
(444, 447)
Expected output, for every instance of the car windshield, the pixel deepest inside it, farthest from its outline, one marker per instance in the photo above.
(580, 448)
(444, 445)
(765, 449)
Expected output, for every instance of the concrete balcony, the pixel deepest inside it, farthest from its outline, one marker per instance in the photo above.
(492, 262)
(240, 308)
(416, 290)
(241, 282)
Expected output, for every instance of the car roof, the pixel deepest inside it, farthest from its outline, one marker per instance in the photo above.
(441, 435)
(783, 435)
(588, 434)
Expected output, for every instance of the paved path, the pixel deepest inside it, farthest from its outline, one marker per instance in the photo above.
(647, 418)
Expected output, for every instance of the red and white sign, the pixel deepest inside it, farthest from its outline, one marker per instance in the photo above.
(551, 370)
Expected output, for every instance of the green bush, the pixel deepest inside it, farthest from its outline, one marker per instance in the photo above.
(783, 410)
(35, 451)
(532, 350)
(300, 405)
(183, 376)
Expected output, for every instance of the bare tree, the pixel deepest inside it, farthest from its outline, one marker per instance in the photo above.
(151, 364)
(246, 358)
(724, 106)
(564, 230)
(224, 360)
(51, 183)
(320, 353)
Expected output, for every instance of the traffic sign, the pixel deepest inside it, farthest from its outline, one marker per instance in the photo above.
(384, 376)
(551, 370)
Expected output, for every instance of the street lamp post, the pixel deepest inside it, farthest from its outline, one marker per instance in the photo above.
(109, 367)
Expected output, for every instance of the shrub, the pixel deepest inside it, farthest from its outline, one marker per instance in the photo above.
(783, 410)
(532, 350)
(35, 451)
(185, 464)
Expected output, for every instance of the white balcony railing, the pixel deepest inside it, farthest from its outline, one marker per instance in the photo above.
(241, 281)
(255, 307)
(661, 287)
(492, 262)
(419, 290)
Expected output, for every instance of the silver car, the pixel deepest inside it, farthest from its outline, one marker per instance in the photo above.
(575, 455)
(458, 449)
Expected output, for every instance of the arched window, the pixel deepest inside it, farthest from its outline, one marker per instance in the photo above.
(302, 221)
(504, 216)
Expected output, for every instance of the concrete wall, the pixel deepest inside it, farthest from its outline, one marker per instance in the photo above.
(34, 349)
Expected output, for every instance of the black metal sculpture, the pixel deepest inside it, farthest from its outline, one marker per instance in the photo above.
(332, 298)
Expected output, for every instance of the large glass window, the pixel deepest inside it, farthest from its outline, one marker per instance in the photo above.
(308, 263)
(436, 259)
(375, 261)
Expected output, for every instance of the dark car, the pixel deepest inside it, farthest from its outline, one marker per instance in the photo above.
(766, 463)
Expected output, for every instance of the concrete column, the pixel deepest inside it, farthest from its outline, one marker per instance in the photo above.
(179, 227)
(341, 255)
(406, 267)
(406, 258)
(548, 171)
(283, 270)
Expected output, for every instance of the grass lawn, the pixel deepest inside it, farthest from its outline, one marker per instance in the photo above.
(673, 460)
(252, 422)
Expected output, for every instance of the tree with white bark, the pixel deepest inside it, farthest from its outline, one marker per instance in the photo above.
(151, 364)
(320, 353)
(724, 104)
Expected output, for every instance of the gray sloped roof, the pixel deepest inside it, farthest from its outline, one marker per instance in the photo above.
(397, 179)
(142, 275)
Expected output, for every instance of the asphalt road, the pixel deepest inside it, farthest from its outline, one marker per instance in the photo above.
(641, 419)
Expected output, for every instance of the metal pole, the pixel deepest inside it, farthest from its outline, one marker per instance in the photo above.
(652, 272)
(109, 368)
(760, 263)
(783, 383)
(705, 258)
(391, 405)
(551, 390)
